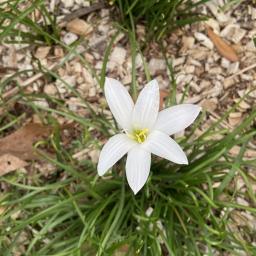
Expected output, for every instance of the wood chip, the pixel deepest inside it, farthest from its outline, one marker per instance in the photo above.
(68, 3)
(235, 118)
(220, 15)
(204, 40)
(58, 52)
(233, 68)
(94, 155)
(79, 27)
(233, 33)
(42, 52)
(50, 89)
(187, 43)
(243, 105)
(209, 104)
(69, 38)
(117, 58)
(156, 65)
(223, 48)
(253, 66)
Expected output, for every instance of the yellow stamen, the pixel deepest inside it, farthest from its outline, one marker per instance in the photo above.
(139, 135)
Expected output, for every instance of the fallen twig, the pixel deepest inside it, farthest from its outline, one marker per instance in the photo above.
(242, 71)
(83, 11)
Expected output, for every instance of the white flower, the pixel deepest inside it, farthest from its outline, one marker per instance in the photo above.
(145, 131)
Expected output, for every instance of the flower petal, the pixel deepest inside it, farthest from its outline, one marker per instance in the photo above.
(176, 118)
(147, 106)
(119, 101)
(137, 168)
(115, 148)
(162, 145)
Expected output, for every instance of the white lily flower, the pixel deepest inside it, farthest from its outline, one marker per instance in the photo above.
(146, 131)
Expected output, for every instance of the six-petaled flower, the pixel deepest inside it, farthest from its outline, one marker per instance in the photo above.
(145, 131)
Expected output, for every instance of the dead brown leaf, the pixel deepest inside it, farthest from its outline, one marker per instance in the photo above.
(223, 48)
(9, 163)
(20, 143)
(163, 95)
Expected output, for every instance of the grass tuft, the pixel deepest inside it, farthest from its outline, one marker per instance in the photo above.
(159, 17)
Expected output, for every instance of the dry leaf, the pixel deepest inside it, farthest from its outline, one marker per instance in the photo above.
(163, 95)
(9, 163)
(79, 27)
(223, 48)
(20, 143)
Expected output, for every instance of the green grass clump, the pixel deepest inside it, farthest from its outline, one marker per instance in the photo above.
(83, 214)
(19, 19)
(160, 17)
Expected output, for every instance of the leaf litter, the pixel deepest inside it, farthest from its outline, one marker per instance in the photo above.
(18, 147)
(223, 48)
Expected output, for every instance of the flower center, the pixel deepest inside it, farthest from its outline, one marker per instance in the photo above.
(139, 135)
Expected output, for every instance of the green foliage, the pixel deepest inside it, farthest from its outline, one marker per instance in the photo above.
(73, 212)
(160, 16)
(87, 215)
